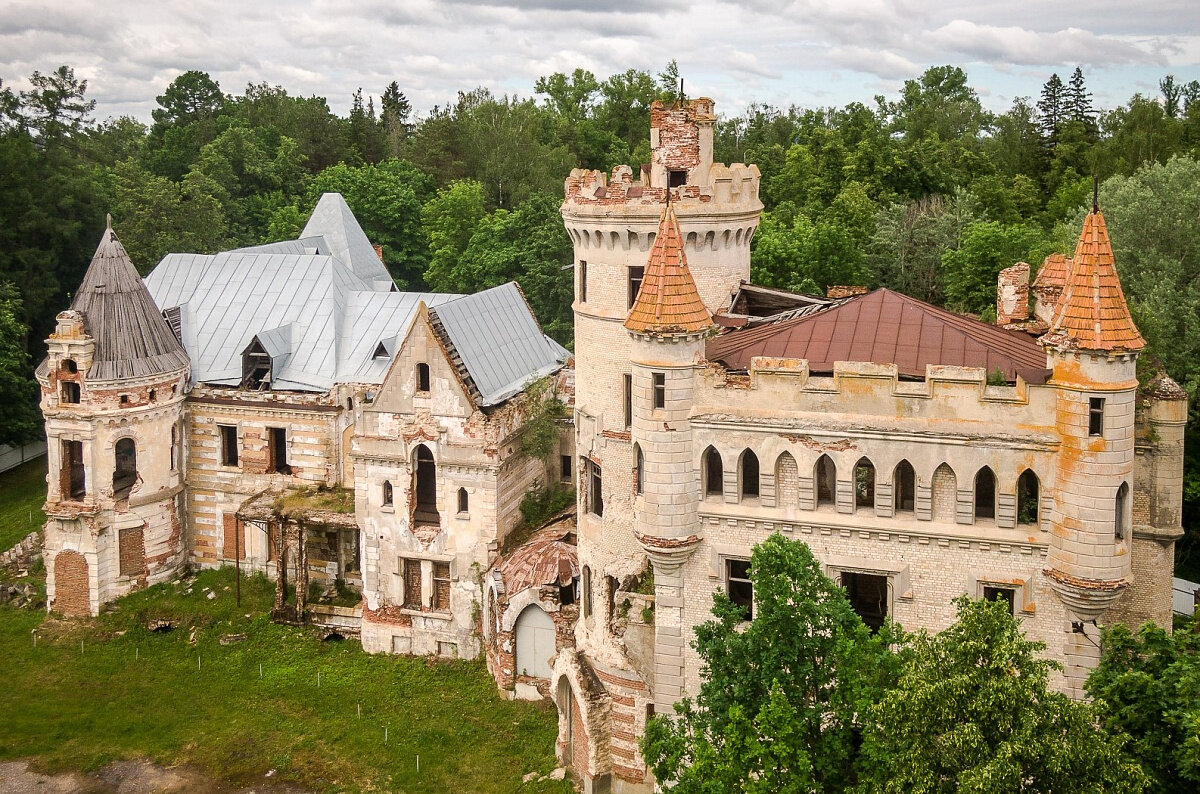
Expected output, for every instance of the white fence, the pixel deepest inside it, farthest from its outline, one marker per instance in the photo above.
(12, 457)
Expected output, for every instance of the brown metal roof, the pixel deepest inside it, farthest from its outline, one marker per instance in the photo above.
(132, 338)
(668, 301)
(885, 327)
(1091, 313)
(547, 558)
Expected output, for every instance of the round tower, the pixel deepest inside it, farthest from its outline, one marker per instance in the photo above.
(613, 224)
(1092, 347)
(112, 398)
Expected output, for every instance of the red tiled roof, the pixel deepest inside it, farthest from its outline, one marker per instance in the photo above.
(1053, 272)
(668, 302)
(1091, 313)
(885, 327)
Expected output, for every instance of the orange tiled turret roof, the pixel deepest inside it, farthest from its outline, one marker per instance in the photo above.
(1053, 272)
(668, 301)
(1091, 313)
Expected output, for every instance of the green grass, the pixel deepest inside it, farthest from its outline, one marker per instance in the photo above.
(133, 693)
(22, 494)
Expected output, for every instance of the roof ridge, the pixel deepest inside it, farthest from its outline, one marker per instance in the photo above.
(668, 301)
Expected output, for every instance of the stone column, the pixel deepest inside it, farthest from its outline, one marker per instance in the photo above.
(667, 556)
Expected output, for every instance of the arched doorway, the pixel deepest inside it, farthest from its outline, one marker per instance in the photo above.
(425, 488)
(535, 642)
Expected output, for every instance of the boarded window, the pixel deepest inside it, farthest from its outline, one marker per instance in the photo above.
(944, 488)
(787, 481)
(234, 538)
(229, 445)
(131, 551)
(412, 584)
(441, 586)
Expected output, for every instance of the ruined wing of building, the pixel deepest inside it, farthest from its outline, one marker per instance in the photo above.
(210, 415)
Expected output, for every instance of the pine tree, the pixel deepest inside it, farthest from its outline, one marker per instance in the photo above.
(1079, 100)
(1050, 109)
(394, 111)
(1172, 94)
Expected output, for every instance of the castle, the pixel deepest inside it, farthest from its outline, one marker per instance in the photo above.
(212, 414)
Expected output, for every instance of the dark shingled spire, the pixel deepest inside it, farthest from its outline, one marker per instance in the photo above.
(132, 338)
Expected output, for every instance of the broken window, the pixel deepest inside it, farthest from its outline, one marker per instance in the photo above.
(676, 178)
(256, 367)
(229, 445)
(595, 489)
(68, 365)
(425, 486)
(586, 582)
(867, 594)
(387, 493)
(564, 467)
(277, 451)
(68, 392)
(441, 586)
(985, 494)
(713, 475)
(639, 467)
(905, 484)
(738, 586)
(1096, 416)
(568, 592)
(1006, 594)
(124, 468)
(412, 584)
(749, 475)
(422, 377)
(1122, 507)
(825, 473)
(864, 483)
(636, 274)
(1027, 498)
(73, 482)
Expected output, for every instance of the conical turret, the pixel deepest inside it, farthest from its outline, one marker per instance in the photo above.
(668, 301)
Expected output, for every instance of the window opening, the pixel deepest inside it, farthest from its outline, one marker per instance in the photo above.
(826, 476)
(1096, 416)
(564, 467)
(738, 586)
(381, 351)
(985, 494)
(256, 367)
(1027, 498)
(441, 586)
(676, 178)
(425, 485)
(864, 483)
(1121, 508)
(660, 390)
(412, 584)
(568, 592)
(68, 391)
(636, 274)
(387, 493)
(462, 500)
(73, 483)
(125, 468)
(69, 365)
(174, 432)
(713, 475)
(905, 484)
(229, 445)
(867, 594)
(627, 398)
(582, 281)
(586, 580)
(595, 489)
(277, 451)
(639, 467)
(1006, 594)
(749, 475)
(422, 377)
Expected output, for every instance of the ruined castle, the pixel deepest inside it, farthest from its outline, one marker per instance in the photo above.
(284, 409)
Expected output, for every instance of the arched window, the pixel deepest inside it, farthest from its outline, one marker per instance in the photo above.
(864, 483)
(985, 494)
(904, 487)
(462, 500)
(749, 470)
(825, 475)
(945, 493)
(1121, 516)
(714, 474)
(69, 365)
(787, 481)
(387, 493)
(425, 487)
(1028, 492)
(639, 470)
(422, 377)
(125, 468)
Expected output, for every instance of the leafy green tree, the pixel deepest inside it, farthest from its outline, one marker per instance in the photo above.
(115, 140)
(972, 711)
(625, 108)
(939, 104)
(366, 133)
(156, 216)
(20, 420)
(1140, 132)
(322, 138)
(780, 697)
(1147, 686)
(55, 107)
(450, 219)
(971, 269)
(803, 255)
(192, 98)
(905, 252)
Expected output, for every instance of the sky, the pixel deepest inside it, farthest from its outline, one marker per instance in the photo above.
(805, 52)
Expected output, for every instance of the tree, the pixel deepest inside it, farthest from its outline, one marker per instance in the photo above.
(54, 108)
(1051, 109)
(905, 252)
(780, 697)
(366, 133)
(450, 219)
(1078, 105)
(394, 112)
(972, 712)
(970, 271)
(192, 98)
(156, 216)
(20, 420)
(1172, 93)
(1147, 686)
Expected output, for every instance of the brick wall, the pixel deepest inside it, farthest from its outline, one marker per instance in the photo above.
(1012, 294)
(944, 494)
(132, 551)
(71, 584)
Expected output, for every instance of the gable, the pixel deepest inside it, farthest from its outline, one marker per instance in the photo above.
(447, 394)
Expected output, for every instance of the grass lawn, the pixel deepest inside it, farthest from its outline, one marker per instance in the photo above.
(129, 692)
(22, 494)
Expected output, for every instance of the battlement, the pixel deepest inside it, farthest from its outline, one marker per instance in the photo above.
(736, 184)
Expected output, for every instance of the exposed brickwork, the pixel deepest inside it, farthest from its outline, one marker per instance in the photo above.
(837, 291)
(233, 537)
(1012, 294)
(132, 550)
(71, 584)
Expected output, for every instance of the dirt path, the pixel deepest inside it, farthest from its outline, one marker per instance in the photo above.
(124, 777)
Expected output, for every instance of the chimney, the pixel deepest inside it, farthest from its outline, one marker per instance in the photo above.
(378, 251)
(1012, 294)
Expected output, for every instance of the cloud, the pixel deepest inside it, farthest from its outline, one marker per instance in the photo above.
(1015, 45)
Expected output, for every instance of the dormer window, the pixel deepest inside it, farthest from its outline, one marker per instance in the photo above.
(256, 367)
(380, 351)
(422, 377)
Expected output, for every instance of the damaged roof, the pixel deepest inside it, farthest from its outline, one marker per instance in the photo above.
(668, 301)
(885, 327)
(547, 558)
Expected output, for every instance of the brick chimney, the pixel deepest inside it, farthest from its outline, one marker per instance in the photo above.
(834, 292)
(1012, 294)
(378, 251)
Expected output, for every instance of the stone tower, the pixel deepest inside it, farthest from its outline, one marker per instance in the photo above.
(1092, 347)
(112, 397)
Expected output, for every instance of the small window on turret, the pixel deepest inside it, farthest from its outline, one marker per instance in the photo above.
(660, 390)
(582, 281)
(68, 392)
(1096, 416)
(69, 365)
(636, 274)
(677, 178)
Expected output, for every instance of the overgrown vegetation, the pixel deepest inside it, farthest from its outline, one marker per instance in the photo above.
(181, 697)
(543, 415)
(541, 502)
(330, 499)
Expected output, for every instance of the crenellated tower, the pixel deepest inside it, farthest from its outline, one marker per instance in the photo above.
(112, 397)
(1092, 347)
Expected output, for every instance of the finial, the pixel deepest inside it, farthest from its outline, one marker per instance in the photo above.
(108, 221)
(1095, 192)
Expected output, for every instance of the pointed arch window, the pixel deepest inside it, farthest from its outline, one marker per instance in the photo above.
(787, 481)
(425, 487)
(639, 470)
(749, 472)
(825, 479)
(864, 484)
(1121, 512)
(387, 493)
(714, 474)
(945, 493)
(904, 487)
(1028, 494)
(464, 501)
(985, 494)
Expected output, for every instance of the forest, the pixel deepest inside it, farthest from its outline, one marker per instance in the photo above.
(925, 192)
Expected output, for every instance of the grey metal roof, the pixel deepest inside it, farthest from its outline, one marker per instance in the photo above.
(332, 220)
(131, 337)
(499, 341)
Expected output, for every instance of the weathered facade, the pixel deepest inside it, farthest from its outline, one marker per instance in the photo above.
(921, 454)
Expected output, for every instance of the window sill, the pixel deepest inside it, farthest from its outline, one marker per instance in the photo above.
(436, 615)
(462, 516)
(387, 509)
